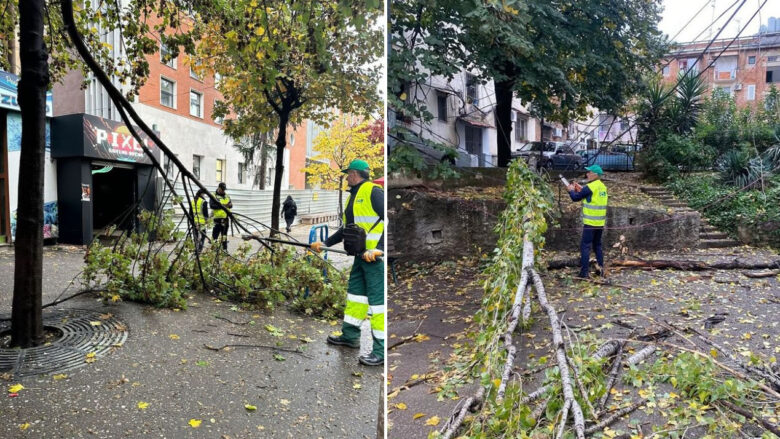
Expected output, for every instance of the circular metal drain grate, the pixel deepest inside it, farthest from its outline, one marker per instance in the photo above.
(81, 335)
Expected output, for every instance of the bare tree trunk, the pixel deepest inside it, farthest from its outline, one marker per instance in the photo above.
(26, 320)
(281, 142)
(504, 95)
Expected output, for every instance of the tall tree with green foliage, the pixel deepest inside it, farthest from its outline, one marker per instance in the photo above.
(560, 57)
(284, 62)
(45, 57)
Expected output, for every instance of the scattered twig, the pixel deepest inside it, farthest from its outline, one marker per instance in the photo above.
(612, 377)
(409, 338)
(275, 348)
(760, 274)
(217, 316)
(80, 293)
(239, 335)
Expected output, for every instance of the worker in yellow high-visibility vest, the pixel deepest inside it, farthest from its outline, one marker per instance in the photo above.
(199, 210)
(221, 221)
(594, 217)
(366, 290)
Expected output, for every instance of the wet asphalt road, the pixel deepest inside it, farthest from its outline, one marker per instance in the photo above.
(323, 393)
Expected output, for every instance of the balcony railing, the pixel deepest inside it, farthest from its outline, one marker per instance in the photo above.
(725, 75)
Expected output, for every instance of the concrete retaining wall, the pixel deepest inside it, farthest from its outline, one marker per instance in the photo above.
(424, 226)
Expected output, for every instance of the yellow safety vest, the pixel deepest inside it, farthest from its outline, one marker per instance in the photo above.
(595, 212)
(219, 213)
(365, 215)
(197, 210)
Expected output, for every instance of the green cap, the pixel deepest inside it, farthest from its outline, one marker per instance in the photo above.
(357, 165)
(596, 169)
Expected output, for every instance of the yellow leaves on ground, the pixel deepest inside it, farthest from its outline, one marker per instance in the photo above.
(357, 386)
(90, 358)
(95, 323)
(24, 426)
(418, 415)
(284, 401)
(433, 421)
(173, 337)
(419, 338)
(714, 353)
(195, 423)
(143, 405)
(60, 376)
(15, 388)
(400, 406)
(250, 407)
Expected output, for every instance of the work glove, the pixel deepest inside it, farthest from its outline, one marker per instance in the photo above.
(317, 246)
(371, 255)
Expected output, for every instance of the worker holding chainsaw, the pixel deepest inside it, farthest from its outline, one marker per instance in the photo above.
(363, 237)
(594, 216)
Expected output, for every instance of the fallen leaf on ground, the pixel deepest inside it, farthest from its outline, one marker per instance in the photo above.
(284, 402)
(24, 426)
(400, 406)
(90, 358)
(195, 423)
(173, 337)
(278, 357)
(434, 421)
(60, 376)
(15, 388)
(250, 407)
(143, 405)
(418, 415)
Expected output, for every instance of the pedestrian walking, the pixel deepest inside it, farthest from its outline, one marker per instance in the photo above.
(594, 216)
(289, 210)
(199, 210)
(221, 222)
(363, 237)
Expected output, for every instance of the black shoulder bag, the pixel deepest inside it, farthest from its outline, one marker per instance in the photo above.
(354, 235)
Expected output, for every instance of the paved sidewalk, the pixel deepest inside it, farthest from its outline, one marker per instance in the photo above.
(164, 363)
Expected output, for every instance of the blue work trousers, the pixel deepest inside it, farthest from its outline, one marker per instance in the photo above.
(590, 235)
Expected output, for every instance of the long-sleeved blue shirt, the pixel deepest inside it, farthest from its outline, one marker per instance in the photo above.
(585, 193)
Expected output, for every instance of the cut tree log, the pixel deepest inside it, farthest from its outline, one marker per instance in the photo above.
(685, 265)
(760, 274)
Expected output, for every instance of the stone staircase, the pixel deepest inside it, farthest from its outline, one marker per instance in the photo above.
(709, 235)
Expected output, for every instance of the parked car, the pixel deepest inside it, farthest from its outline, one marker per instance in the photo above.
(554, 155)
(429, 153)
(608, 160)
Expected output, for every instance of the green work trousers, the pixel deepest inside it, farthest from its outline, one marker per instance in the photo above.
(366, 296)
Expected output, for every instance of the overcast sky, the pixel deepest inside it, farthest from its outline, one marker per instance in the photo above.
(676, 13)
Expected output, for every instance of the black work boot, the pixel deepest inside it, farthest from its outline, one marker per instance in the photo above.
(371, 360)
(341, 341)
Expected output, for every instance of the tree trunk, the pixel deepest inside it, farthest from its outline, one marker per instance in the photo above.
(26, 320)
(281, 142)
(504, 94)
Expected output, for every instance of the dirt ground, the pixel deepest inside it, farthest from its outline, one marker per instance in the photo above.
(438, 301)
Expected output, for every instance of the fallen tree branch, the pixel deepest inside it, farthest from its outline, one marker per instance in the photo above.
(685, 265)
(749, 415)
(80, 293)
(263, 346)
(217, 316)
(760, 274)
(614, 417)
(611, 378)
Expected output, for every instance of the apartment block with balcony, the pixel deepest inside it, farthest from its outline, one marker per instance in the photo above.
(745, 68)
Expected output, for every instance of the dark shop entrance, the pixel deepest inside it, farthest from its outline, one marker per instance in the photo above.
(114, 193)
(104, 177)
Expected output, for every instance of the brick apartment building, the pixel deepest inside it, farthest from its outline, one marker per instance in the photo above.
(746, 69)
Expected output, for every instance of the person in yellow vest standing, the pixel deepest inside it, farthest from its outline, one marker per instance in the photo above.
(363, 237)
(594, 216)
(199, 211)
(221, 221)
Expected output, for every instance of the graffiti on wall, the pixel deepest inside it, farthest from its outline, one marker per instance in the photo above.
(14, 128)
(50, 221)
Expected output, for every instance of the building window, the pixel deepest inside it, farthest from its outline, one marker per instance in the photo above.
(218, 120)
(220, 169)
(167, 93)
(471, 90)
(773, 75)
(751, 92)
(751, 60)
(194, 75)
(774, 58)
(666, 70)
(241, 171)
(166, 53)
(196, 159)
(441, 103)
(196, 104)
(473, 140)
(521, 127)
